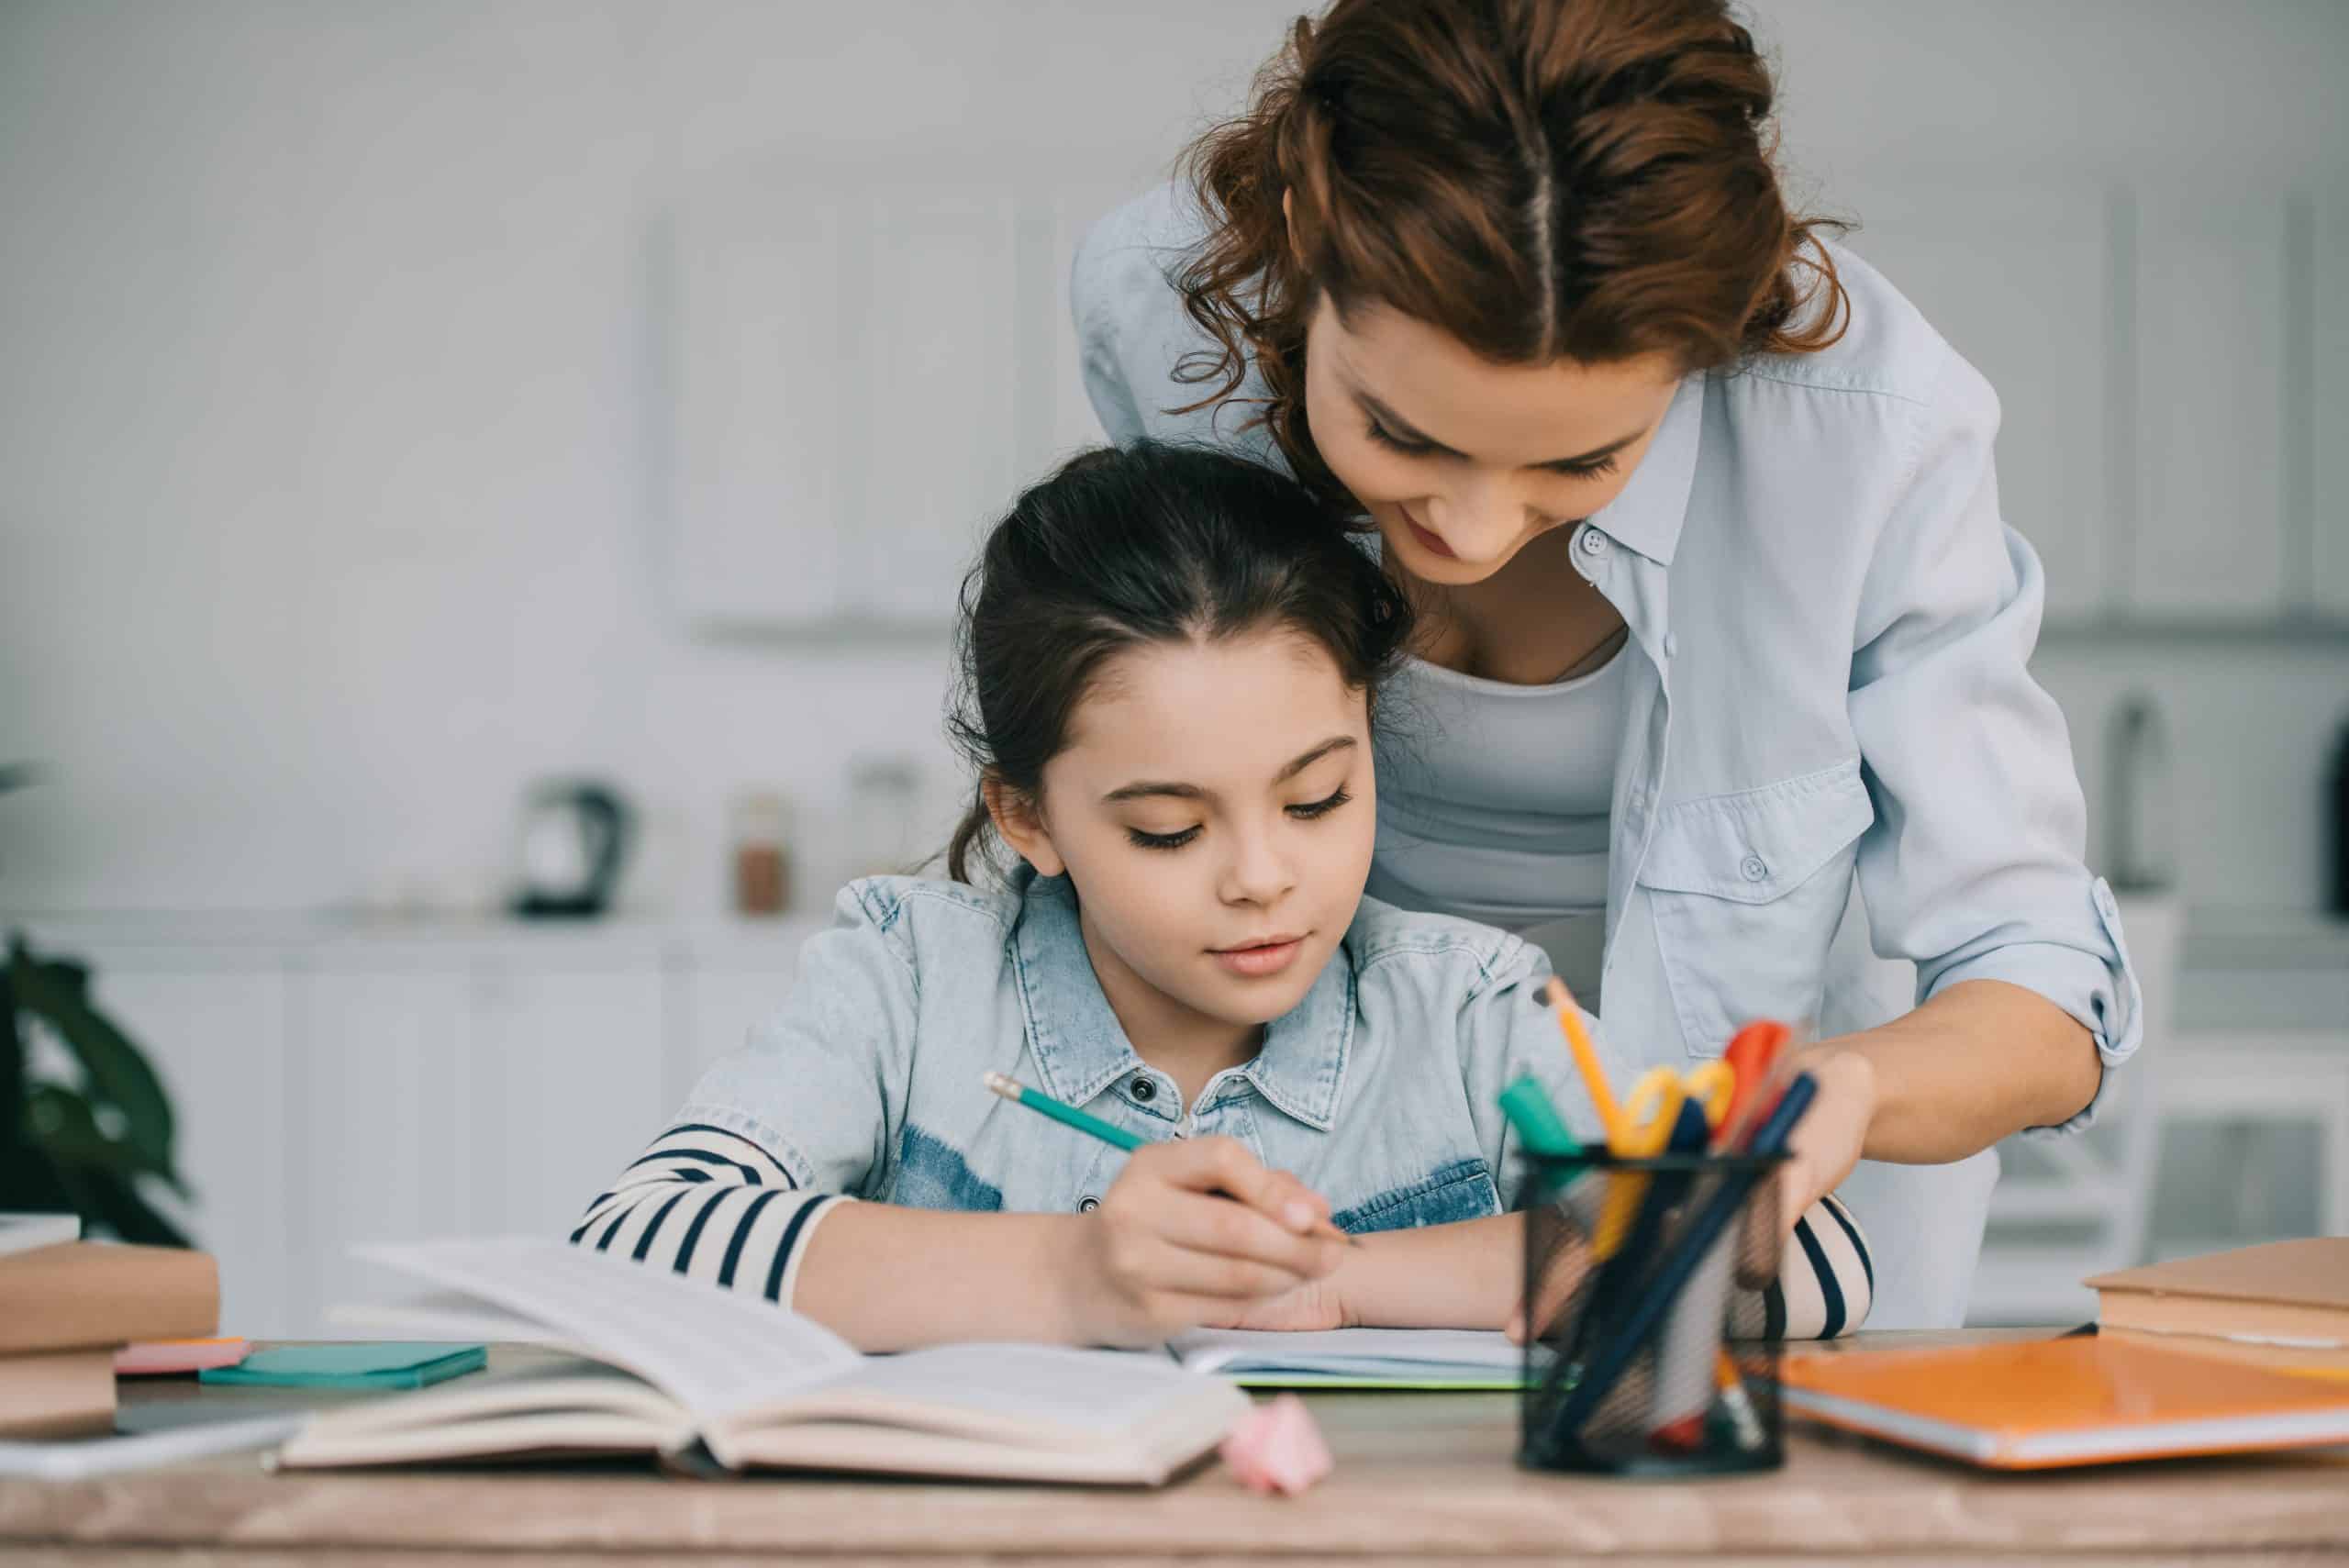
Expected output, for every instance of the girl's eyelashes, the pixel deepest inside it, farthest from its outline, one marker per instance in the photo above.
(1305, 811)
(1321, 807)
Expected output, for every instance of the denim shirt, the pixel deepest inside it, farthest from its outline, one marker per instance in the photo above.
(1379, 1090)
(1838, 790)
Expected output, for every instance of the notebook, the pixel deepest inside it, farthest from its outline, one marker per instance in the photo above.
(373, 1364)
(2039, 1404)
(1451, 1358)
(2288, 1294)
(683, 1368)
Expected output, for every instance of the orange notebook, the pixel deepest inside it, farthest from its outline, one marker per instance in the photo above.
(2038, 1404)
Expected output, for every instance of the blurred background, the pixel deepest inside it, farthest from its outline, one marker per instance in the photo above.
(456, 455)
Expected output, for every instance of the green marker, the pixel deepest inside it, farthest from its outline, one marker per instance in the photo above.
(1539, 1126)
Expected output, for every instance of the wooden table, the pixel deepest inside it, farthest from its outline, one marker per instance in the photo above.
(1421, 1478)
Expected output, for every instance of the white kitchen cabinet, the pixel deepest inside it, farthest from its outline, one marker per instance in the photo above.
(868, 369)
(759, 414)
(937, 423)
(381, 1120)
(2211, 453)
(215, 1033)
(567, 1068)
(2018, 280)
(2327, 425)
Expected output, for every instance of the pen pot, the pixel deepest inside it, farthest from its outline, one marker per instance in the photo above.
(1647, 1351)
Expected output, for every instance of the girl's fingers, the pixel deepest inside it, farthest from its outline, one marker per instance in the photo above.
(1171, 1268)
(1224, 1166)
(1219, 1227)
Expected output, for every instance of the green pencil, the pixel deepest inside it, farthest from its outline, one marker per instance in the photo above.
(1012, 1089)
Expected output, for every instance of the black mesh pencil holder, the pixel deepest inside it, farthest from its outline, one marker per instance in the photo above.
(1643, 1291)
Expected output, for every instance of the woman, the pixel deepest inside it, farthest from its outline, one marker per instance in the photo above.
(1723, 641)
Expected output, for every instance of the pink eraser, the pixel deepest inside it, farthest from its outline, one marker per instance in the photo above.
(1277, 1448)
(155, 1358)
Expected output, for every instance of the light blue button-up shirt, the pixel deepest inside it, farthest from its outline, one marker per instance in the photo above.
(1380, 1089)
(1839, 791)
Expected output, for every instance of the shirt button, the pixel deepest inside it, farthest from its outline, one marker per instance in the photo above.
(1755, 867)
(1593, 543)
(1144, 1089)
(1672, 645)
(2104, 901)
(1087, 1204)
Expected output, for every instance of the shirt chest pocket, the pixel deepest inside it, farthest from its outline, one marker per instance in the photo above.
(1746, 891)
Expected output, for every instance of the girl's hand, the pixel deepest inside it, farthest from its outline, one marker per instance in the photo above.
(1194, 1232)
(1826, 1143)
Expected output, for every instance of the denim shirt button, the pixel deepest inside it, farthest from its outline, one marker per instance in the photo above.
(1754, 868)
(1087, 1204)
(1144, 1090)
(1592, 543)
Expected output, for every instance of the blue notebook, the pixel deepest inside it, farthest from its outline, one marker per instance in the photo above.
(358, 1364)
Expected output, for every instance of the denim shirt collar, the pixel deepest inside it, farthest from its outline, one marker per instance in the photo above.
(1081, 1048)
(1648, 514)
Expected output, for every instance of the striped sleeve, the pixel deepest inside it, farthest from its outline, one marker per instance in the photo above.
(1826, 1279)
(711, 1204)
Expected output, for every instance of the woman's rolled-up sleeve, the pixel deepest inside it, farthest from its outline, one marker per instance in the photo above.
(1974, 868)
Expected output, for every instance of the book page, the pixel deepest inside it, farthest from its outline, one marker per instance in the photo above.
(1053, 1390)
(1350, 1352)
(709, 1350)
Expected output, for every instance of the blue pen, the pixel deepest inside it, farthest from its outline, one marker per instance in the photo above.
(1647, 1314)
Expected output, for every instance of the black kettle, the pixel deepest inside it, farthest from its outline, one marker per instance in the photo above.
(575, 841)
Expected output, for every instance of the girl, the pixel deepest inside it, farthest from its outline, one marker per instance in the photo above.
(1723, 641)
(1171, 665)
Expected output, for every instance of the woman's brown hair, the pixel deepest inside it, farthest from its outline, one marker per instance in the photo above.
(1586, 180)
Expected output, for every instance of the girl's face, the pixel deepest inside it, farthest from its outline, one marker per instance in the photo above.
(1460, 462)
(1213, 805)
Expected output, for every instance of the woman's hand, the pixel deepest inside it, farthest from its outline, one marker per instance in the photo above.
(1825, 1144)
(1198, 1232)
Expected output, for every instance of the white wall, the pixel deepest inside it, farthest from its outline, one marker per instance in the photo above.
(331, 379)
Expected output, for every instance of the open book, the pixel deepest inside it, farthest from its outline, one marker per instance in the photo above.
(670, 1363)
(1356, 1358)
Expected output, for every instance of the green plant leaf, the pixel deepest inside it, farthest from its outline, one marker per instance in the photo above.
(59, 992)
(63, 1129)
(115, 1204)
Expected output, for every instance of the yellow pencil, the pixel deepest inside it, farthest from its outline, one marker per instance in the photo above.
(1594, 1077)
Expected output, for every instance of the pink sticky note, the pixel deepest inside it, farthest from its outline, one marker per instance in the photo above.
(1277, 1448)
(162, 1357)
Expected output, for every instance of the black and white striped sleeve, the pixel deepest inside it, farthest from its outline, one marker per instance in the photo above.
(1826, 1280)
(712, 1205)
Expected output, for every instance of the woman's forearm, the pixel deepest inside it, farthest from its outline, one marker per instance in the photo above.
(887, 1278)
(1980, 1060)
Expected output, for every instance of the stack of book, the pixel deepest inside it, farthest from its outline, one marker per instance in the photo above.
(67, 1306)
(2284, 1306)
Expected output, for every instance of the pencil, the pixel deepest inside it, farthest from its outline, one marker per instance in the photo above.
(1012, 1089)
(1594, 1076)
(1068, 1116)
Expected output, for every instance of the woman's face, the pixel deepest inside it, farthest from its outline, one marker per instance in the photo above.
(1461, 461)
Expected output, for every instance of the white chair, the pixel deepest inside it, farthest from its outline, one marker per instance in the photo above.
(2070, 1208)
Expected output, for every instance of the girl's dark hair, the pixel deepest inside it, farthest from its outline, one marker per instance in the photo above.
(1152, 543)
(1587, 180)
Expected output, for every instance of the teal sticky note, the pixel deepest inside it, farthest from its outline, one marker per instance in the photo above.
(361, 1364)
